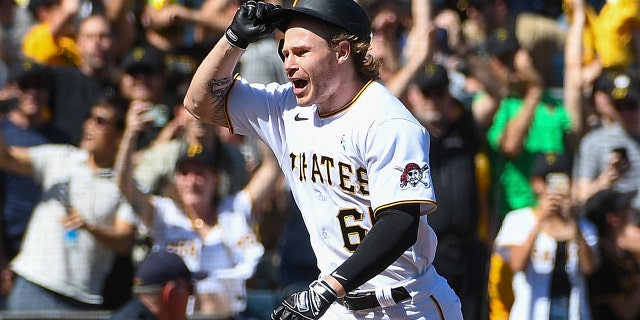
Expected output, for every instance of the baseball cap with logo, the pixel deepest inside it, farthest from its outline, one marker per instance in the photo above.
(502, 41)
(546, 163)
(162, 266)
(203, 155)
(622, 87)
(30, 74)
(143, 58)
(434, 78)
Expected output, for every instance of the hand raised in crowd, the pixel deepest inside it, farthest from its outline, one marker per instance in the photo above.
(549, 204)
(173, 129)
(165, 16)
(384, 23)
(9, 92)
(138, 116)
(616, 167)
(525, 76)
(555, 203)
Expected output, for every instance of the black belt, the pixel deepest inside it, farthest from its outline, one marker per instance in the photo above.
(367, 300)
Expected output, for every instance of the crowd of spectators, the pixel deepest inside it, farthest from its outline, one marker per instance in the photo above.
(101, 164)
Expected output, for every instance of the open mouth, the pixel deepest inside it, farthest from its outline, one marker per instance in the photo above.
(299, 84)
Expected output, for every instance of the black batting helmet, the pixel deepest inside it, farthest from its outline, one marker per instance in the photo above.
(346, 14)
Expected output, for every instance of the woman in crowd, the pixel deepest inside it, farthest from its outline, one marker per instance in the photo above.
(210, 233)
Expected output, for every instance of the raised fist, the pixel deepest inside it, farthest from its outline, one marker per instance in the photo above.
(251, 23)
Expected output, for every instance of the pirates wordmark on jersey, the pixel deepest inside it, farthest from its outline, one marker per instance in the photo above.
(322, 169)
(351, 179)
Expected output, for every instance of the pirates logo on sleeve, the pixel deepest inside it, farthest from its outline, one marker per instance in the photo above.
(413, 175)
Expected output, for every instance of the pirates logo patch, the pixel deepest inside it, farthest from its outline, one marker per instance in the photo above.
(413, 175)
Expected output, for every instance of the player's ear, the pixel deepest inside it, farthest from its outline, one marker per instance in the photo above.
(343, 51)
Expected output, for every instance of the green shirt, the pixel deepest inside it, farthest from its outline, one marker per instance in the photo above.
(546, 134)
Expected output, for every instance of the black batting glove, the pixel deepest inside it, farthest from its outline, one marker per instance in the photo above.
(251, 23)
(306, 305)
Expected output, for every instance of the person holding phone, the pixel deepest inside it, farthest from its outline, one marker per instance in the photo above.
(549, 247)
(609, 157)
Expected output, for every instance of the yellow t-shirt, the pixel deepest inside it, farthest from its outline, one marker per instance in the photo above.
(613, 34)
(608, 34)
(40, 45)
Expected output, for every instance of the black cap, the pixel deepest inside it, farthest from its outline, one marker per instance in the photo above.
(502, 41)
(480, 4)
(145, 58)
(206, 156)
(546, 163)
(605, 201)
(29, 74)
(162, 266)
(622, 87)
(435, 76)
(604, 81)
(34, 5)
(346, 14)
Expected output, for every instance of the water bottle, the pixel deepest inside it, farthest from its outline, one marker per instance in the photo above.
(70, 235)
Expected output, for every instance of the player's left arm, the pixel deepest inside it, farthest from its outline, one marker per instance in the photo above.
(394, 232)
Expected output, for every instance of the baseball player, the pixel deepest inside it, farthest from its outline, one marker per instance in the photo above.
(355, 159)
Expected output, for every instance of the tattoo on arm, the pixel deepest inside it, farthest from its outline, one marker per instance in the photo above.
(218, 89)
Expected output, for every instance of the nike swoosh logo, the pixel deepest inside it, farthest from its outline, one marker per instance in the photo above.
(336, 275)
(299, 118)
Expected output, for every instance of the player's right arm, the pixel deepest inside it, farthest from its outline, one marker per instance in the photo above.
(211, 82)
(206, 95)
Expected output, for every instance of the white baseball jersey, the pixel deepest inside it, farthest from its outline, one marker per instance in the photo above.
(344, 167)
(531, 286)
(229, 254)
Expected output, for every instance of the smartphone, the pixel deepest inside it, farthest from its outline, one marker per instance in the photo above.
(622, 151)
(624, 164)
(558, 183)
(159, 113)
(8, 105)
